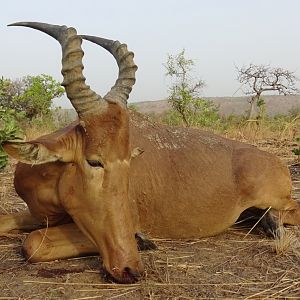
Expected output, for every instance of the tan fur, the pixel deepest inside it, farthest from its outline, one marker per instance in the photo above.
(57, 242)
(96, 199)
(205, 179)
(187, 183)
(190, 183)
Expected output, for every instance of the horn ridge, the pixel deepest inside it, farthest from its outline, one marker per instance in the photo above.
(119, 93)
(83, 98)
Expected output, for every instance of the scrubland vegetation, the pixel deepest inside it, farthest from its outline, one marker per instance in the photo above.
(26, 105)
(15, 125)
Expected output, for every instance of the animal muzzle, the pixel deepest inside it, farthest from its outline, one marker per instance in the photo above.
(125, 275)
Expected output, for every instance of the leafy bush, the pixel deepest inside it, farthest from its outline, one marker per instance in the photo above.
(9, 130)
(204, 113)
(32, 95)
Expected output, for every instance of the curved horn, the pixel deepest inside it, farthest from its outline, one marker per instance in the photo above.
(84, 100)
(119, 93)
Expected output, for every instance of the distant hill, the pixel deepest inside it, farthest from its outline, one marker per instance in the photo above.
(230, 105)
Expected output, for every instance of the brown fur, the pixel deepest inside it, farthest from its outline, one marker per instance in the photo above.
(188, 183)
(67, 189)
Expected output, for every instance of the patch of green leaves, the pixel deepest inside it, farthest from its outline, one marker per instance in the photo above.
(201, 113)
(9, 130)
(31, 95)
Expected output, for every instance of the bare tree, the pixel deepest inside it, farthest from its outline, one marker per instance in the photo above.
(258, 79)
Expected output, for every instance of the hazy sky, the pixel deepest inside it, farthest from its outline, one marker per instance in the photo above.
(217, 34)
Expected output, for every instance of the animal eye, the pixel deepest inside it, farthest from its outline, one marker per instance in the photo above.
(95, 163)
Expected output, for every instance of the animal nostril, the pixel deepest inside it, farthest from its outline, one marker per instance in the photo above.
(131, 274)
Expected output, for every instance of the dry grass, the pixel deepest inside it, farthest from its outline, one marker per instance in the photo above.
(252, 133)
(9, 200)
(227, 266)
(233, 265)
(287, 242)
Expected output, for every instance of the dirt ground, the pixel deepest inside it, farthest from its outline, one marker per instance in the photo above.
(232, 265)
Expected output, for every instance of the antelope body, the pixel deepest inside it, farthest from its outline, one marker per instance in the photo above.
(82, 183)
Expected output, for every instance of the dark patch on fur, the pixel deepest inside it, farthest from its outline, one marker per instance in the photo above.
(267, 224)
(144, 243)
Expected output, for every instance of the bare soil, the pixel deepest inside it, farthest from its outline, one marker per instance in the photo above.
(233, 265)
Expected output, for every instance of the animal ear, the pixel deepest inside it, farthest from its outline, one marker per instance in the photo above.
(30, 152)
(136, 152)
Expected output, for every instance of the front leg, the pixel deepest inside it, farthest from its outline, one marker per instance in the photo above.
(58, 242)
(22, 221)
(65, 241)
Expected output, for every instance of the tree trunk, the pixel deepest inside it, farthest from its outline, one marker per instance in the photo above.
(187, 124)
(252, 111)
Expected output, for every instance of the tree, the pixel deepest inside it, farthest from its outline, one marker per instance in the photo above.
(259, 79)
(185, 90)
(38, 94)
(32, 95)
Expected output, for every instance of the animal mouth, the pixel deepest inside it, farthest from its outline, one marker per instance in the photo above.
(128, 276)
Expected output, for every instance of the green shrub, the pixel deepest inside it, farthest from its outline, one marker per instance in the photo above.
(9, 130)
(204, 113)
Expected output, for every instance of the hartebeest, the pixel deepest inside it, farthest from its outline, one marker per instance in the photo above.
(188, 183)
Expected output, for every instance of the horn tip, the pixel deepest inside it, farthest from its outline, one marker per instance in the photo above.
(26, 24)
(15, 24)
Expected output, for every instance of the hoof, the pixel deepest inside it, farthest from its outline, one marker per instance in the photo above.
(270, 225)
(266, 222)
(144, 243)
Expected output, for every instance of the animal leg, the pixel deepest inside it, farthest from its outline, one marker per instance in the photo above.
(290, 216)
(65, 241)
(59, 242)
(274, 218)
(260, 217)
(270, 224)
(288, 213)
(22, 221)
